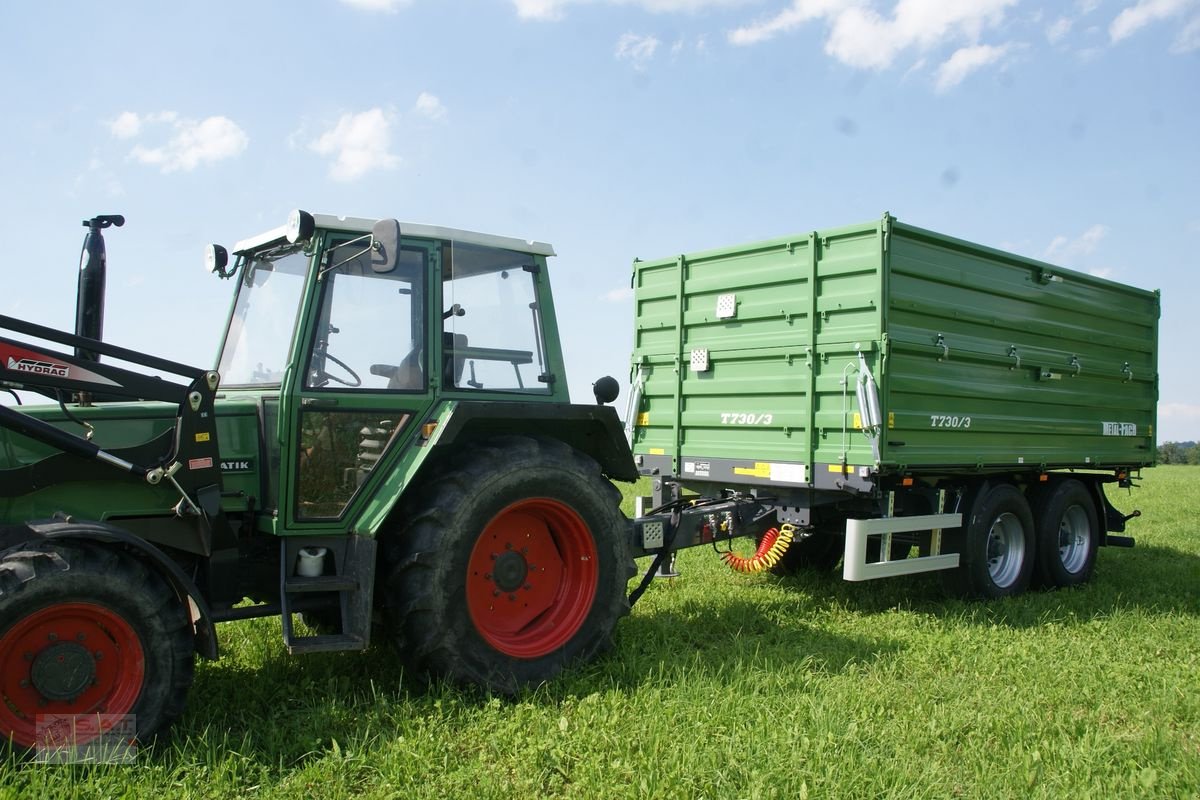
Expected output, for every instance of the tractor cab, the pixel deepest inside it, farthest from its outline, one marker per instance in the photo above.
(346, 331)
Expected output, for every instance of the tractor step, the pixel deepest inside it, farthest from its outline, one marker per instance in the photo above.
(325, 643)
(340, 600)
(321, 583)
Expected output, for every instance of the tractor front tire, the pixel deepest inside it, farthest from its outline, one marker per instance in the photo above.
(89, 637)
(510, 564)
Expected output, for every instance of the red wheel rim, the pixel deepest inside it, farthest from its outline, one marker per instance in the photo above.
(70, 661)
(532, 577)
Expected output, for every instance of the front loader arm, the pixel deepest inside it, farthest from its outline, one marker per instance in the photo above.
(192, 462)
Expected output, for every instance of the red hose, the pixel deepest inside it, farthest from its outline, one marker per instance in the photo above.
(771, 548)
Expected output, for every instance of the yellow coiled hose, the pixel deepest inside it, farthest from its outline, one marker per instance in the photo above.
(771, 547)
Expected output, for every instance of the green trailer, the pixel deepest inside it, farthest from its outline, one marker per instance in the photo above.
(879, 381)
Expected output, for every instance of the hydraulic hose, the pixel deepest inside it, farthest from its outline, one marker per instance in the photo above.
(771, 547)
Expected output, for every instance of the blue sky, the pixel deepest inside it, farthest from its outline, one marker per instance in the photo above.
(610, 128)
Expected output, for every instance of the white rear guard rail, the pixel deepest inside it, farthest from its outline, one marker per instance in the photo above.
(855, 563)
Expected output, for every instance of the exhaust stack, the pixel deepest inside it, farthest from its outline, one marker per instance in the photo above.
(89, 299)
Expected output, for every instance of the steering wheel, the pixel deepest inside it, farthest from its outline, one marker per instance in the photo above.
(355, 381)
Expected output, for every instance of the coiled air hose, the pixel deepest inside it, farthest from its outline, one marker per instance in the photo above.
(771, 547)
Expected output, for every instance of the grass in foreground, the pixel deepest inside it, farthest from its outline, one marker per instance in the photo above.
(724, 686)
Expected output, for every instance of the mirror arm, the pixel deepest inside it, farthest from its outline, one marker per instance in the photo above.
(347, 259)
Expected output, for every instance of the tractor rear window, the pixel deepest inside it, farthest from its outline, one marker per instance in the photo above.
(492, 329)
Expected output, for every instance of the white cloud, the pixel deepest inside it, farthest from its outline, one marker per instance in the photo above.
(1178, 417)
(1102, 272)
(622, 295)
(387, 6)
(1064, 248)
(861, 37)
(194, 142)
(1188, 38)
(359, 143)
(637, 50)
(1058, 29)
(126, 126)
(965, 61)
(800, 12)
(552, 10)
(1138, 16)
(429, 106)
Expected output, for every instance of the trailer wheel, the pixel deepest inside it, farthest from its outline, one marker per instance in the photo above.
(87, 632)
(996, 545)
(512, 563)
(820, 552)
(1068, 533)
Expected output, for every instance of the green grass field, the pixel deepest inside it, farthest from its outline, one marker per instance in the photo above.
(727, 686)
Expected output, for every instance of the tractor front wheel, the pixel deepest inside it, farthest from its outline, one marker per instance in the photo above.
(90, 639)
(511, 564)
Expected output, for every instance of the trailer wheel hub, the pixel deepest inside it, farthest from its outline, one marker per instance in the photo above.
(510, 571)
(62, 671)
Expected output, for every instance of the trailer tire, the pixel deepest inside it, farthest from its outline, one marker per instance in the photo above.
(1068, 533)
(995, 545)
(820, 552)
(88, 630)
(512, 562)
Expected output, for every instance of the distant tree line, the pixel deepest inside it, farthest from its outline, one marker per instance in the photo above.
(1179, 453)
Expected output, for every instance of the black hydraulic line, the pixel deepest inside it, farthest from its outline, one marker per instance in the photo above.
(676, 517)
(46, 433)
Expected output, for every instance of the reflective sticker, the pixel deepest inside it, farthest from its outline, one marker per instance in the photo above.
(643, 419)
(857, 421)
(200, 463)
(657, 451)
(789, 473)
(759, 470)
(203, 436)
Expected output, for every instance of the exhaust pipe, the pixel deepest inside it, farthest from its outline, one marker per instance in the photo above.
(89, 298)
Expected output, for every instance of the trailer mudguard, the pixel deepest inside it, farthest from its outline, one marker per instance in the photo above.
(67, 528)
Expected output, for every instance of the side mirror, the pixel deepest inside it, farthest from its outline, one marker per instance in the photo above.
(216, 259)
(385, 245)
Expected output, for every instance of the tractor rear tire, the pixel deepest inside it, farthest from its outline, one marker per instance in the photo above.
(88, 631)
(511, 563)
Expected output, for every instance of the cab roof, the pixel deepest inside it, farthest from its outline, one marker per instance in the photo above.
(413, 229)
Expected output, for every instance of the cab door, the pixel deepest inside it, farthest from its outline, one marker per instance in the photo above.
(361, 386)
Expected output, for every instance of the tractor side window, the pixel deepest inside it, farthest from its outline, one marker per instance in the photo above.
(491, 329)
(369, 334)
(261, 328)
(338, 450)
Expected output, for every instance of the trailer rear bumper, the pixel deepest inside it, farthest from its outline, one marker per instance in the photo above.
(855, 566)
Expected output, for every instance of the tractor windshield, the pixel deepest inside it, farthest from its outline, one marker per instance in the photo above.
(261, 328)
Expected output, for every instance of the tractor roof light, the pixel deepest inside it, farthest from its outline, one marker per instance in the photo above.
(300, 226)
(216, 261)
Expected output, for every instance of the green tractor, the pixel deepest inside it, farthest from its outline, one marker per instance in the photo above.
(386, 444)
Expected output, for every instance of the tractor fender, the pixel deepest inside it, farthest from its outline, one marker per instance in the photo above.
(71, 529)
(591, 429)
